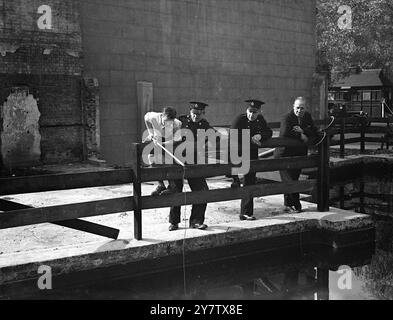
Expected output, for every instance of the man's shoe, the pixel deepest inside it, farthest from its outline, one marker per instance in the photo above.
(244, 217)
(289, 209)
(199, 226)
(158, 190)
(169, 191)
(298, 208)
(173, 227)
(235, 185)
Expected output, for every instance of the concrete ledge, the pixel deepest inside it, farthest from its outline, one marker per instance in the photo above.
(159, 243)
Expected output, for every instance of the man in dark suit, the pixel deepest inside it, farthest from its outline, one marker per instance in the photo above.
(254, 121)
(297, 124)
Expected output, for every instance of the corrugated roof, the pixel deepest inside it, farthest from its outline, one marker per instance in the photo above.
(366, 78)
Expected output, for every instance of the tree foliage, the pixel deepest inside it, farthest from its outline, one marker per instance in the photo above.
(369, 43)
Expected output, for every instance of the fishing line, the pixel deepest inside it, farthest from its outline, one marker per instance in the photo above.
(185, 233)
(184, 213)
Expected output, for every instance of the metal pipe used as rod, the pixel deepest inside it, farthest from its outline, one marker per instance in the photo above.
(170, 154)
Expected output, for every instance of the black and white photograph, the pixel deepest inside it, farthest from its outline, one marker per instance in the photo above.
(178, 153)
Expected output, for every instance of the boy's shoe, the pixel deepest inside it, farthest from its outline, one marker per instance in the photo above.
(158, 190)
(298, 208)
(169, 190)
(173, 227)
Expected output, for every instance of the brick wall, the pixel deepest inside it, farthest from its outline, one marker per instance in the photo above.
(218, 51)
(48, 62)
(60, 123)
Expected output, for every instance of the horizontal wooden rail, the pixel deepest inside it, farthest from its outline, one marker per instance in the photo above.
(271, 143)
(347, 130)
(216, 170)
(346, 141)
(223, 195)
(376, 130)
(352, 120)
(281, 142)
(64, 181)
(321, 184)
(381, 120)
(352, 140)
(334, 143)
(348, 197)
(25, 217)
(277, 125)
(368, 130)
(374, 139)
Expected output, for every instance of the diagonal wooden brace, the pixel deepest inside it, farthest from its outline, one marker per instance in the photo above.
(76, 224)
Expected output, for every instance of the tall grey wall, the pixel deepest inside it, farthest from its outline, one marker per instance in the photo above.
(44, 61)
(218, 51)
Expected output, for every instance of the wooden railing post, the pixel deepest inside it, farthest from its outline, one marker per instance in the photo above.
(362, 138)
(342, 197)
(362, 197)
(342, 138)
(136, 169)
(323, 178)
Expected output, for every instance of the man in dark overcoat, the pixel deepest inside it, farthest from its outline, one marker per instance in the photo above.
(254, 121)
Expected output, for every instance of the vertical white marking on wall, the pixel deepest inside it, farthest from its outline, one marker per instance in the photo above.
(45, 21)
(145, 104)
(20, 135)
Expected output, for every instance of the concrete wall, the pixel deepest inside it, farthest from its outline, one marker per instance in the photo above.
(218, 51)
(44, 56)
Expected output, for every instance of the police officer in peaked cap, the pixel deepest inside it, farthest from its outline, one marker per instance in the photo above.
(194, 121)
(254, 121)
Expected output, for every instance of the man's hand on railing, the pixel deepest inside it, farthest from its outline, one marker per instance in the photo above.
(149, 138)
(257, 140)
(298, 129)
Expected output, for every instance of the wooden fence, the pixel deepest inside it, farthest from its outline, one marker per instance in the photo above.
(351, 125)
(361, 126)
(16, 215)
(142, 174)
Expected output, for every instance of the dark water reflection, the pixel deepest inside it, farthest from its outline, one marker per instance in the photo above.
(369, 190)
(310, 273)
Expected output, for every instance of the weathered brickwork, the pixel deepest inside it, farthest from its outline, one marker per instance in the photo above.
(218, 51)
(48, 62)
(25, 48)
(91, 115)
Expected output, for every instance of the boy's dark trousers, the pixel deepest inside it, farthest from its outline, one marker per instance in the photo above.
(198, 210)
